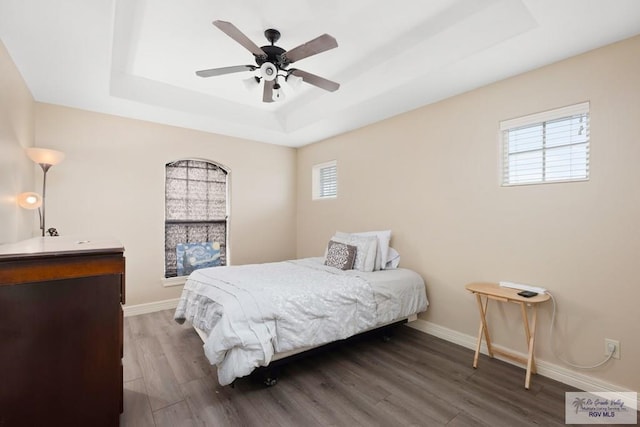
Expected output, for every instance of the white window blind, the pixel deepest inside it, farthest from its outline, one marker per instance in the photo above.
(551, 146)
(325, 180)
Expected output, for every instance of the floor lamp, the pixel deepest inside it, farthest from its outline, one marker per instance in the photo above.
(45, 158)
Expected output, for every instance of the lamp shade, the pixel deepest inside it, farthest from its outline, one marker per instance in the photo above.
(251, 83)
(268, 71)
(29, 200)
(294, 81)
(45, 156)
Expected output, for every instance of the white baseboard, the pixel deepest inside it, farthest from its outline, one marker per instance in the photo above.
(151, 307)
(546, 369)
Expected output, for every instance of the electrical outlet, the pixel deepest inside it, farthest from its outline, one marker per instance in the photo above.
(608, 343)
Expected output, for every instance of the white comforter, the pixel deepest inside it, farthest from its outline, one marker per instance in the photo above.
(251, 311)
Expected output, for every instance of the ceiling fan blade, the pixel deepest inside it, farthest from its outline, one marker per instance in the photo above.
(318, 81)
(312, 47)
(267, 94)
(232, 31)
(225, 70)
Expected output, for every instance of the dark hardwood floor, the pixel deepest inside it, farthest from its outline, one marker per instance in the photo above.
(413, 380)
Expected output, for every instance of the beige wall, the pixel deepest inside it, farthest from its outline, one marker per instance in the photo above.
(431, 176)
(111, 183)
(16, 134)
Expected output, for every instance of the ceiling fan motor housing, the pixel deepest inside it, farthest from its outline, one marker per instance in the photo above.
(275, 55)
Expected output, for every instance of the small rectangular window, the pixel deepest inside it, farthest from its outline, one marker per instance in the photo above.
(325, 180)
(552, 146)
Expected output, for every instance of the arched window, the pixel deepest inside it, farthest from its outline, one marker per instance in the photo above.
(196, 216)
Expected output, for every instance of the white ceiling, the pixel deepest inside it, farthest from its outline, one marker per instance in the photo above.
(137, 58)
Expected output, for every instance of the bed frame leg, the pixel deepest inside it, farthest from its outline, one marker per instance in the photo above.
(270, 381)
(268, 375)
(387, 334)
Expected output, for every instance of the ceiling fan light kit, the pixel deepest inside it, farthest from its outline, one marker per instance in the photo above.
(273, 62)
(268, 71)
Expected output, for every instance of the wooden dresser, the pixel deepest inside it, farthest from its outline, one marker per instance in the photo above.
(61, 332)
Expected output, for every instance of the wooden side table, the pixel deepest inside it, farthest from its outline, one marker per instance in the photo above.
(484, 291)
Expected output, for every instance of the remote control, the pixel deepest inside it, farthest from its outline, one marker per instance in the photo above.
(527, 294)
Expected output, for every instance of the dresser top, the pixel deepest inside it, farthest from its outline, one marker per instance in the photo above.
(59, 245)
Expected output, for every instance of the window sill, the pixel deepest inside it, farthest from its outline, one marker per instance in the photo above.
(557, 181)
(168, 282)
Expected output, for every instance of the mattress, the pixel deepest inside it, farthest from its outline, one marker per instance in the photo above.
(398, 292)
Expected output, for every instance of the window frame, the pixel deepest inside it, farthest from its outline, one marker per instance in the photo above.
(316, 180)
(544, 119)
(180, 280)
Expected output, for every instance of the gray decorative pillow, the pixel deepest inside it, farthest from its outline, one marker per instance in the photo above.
(340, 255)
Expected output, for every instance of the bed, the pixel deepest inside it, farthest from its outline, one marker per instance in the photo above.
(252, 315)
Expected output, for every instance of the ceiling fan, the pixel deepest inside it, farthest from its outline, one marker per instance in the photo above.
(273, 61)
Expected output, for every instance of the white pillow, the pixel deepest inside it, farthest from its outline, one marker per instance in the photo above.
(393, 259)
(384, 237)
(366, 252)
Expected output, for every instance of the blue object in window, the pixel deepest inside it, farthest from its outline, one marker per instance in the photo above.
(192, 256)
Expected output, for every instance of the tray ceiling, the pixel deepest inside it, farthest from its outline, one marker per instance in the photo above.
(137, 58)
